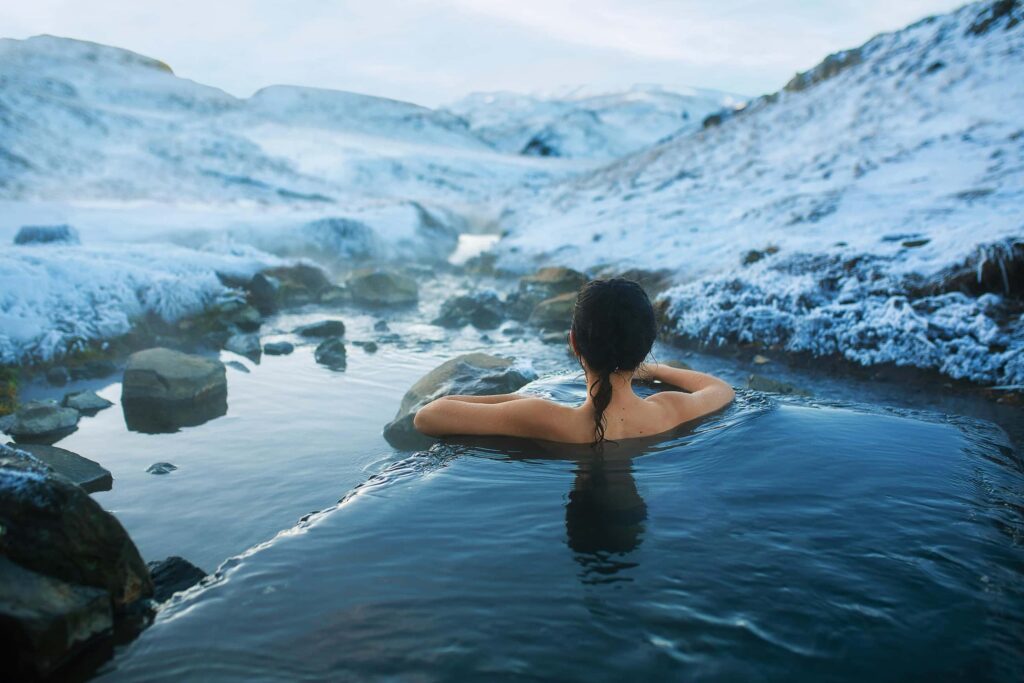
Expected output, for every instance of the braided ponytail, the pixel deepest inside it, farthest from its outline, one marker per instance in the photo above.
(614, 327)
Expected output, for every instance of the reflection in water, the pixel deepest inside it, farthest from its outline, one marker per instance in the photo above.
(151, 416)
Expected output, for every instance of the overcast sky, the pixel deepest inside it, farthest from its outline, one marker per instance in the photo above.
(434, 51)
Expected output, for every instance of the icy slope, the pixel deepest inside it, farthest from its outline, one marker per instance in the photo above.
(587, 125)
(887, 179)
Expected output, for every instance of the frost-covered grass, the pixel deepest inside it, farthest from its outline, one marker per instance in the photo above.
(875, 176)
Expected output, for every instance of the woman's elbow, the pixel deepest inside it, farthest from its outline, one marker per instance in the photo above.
(425, 420)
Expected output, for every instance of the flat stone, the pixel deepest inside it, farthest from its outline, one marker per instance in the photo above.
(173, 575)
(49, 620)
(247, 345)
(47, 234)
(161, 468)
(43, 422)
(170, 375)
(774, 386)
(382, 287)
(477, 374)
(281, 348)
(88, 402)
(88, 474)
(331, 353)
(237, 365)
(323, 328)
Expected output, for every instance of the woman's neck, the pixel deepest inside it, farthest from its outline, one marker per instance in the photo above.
(622, 385)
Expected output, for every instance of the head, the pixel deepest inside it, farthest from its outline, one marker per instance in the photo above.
(613, 330)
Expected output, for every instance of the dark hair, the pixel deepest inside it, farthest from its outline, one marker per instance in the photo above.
(614, 327)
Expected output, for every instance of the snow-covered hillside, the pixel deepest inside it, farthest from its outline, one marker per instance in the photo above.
(872, 209)
(582, 124)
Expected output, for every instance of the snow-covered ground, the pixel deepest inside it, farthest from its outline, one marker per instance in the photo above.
(589, 125)
(880, 178)
(871, 209)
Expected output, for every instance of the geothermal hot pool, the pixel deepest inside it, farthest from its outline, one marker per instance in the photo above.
(782, 538)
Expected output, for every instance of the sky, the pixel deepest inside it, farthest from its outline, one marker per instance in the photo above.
(434, 51)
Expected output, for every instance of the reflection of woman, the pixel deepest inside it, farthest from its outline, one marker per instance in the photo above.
(613, 330)
(605, 512)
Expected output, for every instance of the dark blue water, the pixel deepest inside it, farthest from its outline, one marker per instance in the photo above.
(773, 541)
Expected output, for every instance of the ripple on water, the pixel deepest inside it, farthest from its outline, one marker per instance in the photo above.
(770, 541)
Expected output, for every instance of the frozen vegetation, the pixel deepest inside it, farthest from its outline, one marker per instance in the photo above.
(871, 209)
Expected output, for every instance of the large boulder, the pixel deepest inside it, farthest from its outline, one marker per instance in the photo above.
(43, 422)
(554, 313)
(164, 390)
(88, 474)
(483, 310)
(546, 283)
(382, 287)
(53, 527)
(471, 374)
(45, 622)
(47, 234)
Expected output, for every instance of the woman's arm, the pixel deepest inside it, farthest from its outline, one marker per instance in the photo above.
(523, 416)
(496, 398)
(706, 394)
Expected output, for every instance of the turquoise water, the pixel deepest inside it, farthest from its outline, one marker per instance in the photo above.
(772, 541)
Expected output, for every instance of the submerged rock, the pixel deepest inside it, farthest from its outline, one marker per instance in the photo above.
(173, 575)
(554, 313)
(323, 328)
(86, 402)
(161, 468)
(88, 474)
(247, 345)
(483, 310)
(53, 527)
(331, 353)
(774, 386)
(281, 348)
(473, 373)
(382, 287)
(164, 390)
(47, 234)
(45, 622)
(43, 422)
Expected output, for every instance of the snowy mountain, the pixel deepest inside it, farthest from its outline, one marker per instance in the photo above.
(871, 209)
(588, 125)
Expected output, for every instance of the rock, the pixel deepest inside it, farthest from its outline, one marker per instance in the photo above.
(381, 326)
(45, 622)
(85, 472)
(264, 292)
(47, 234)
(545, 284)
(554, 338)
(755, 255)
(483, 310)
(239, 315)
(161, 468)
(554, 313)
(368, 346)
(281, 348)
(473, 373)
(761, 360)
(53, 527)
(324, 328)
(6, 422)
(237, 365)
(331, 352)
(93, 369)
(58, 375)
(85, 402)
(773, 386)
(164, 390)
(43, 422)
(173, 575)
(247, 345)
(380, 287)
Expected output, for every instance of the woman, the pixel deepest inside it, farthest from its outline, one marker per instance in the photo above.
(613, 330)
